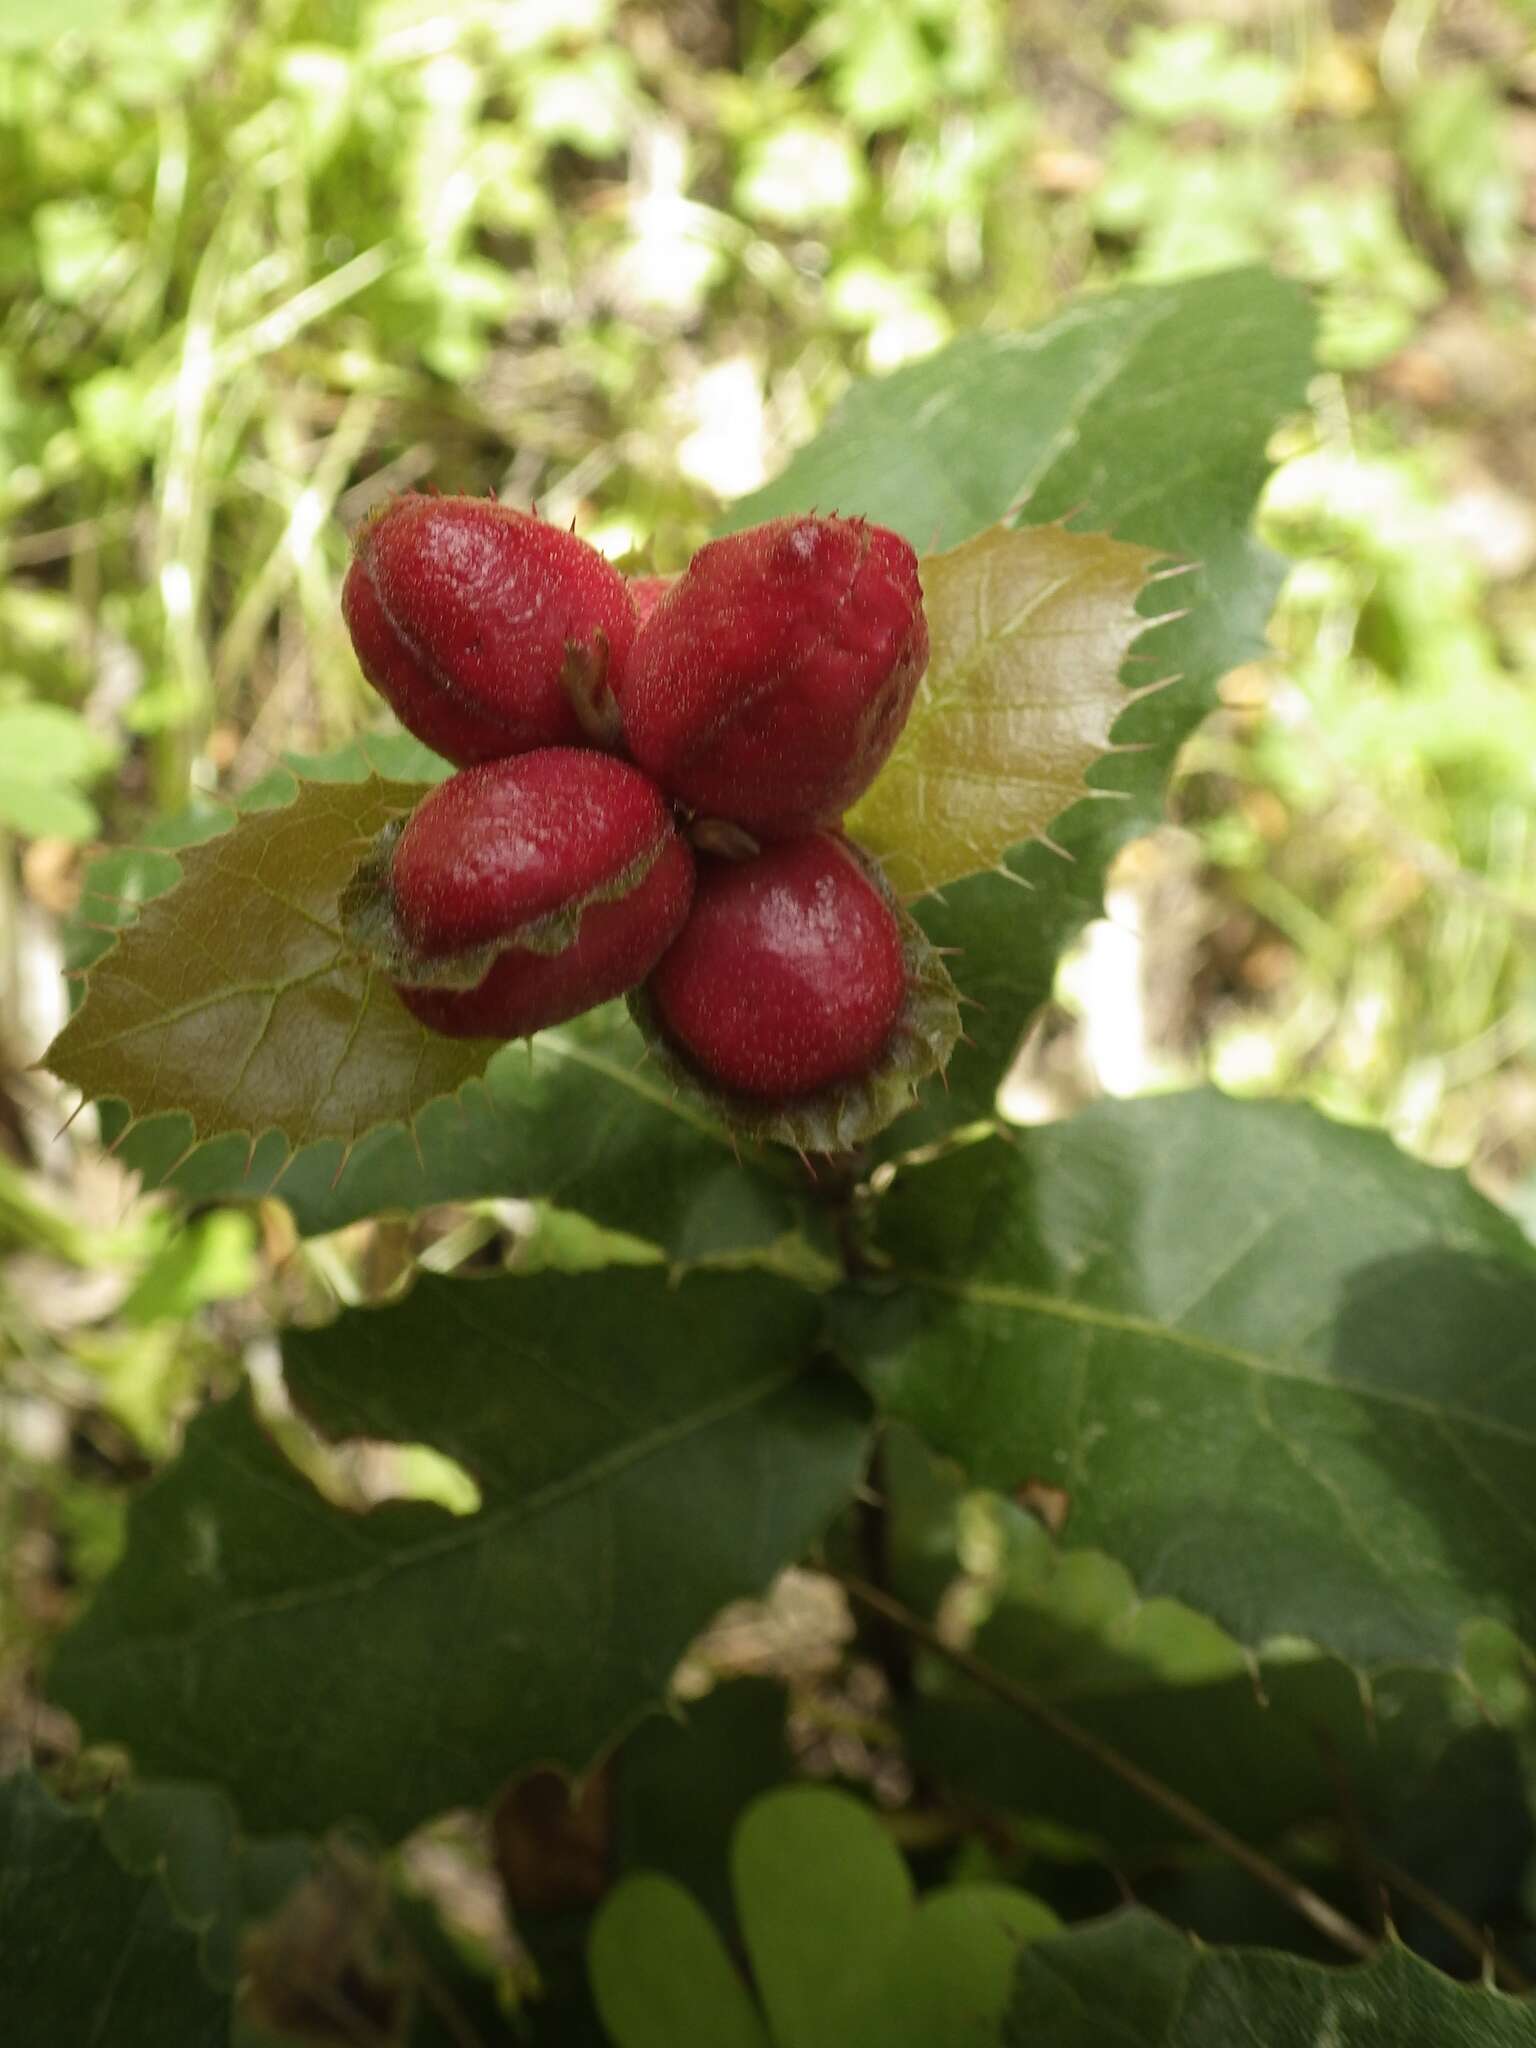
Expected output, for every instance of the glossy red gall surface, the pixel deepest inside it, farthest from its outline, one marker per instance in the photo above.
(507, 843)
(789, 975)
(524, 992)
(467, 616)
(565, 861)
(769, 685)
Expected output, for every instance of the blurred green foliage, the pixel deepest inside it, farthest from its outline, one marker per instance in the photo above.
(262, 261)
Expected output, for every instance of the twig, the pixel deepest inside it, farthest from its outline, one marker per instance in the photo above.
(1300, 1897)
(890, 1641)
(1509, 1976)
(1356, 1847)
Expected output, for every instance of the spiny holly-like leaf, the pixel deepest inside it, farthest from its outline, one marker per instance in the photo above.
(1283, 1373)
(1263, 1744)
(236, 999)
(1132, 1982)
(1143, 413)
(88, 1951)
(119, 882)
(575, 1117)
(1029, 628)
(644, 1453)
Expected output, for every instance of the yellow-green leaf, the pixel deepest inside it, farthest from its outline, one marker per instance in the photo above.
(1029, 628)
(236, 998)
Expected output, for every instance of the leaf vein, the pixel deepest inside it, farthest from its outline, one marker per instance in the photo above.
(1029, 1301)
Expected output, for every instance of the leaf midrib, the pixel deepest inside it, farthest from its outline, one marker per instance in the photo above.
(1122, 1322)
(160, 1020)
(466, 1532)
(660, 1095)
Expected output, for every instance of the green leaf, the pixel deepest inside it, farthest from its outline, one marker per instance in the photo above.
(840, 1949)
(824, 1900)
(45, 750)
(1126, 404)
(1144, 414)
(573, 1118)
(1194, 73)
(89, 1952)
(1028, 631)
(184, 1835)
(1263, 1745)
(644, 1453)
(118, 882)
(212, 1258)
(1261, 1752)
(660, 1975)
(46, 810)
(1271, 1362)
(1458, 137)
(235, 999)
(665, 1802)
(44, 754)
(1132, 1982)
(949, 1983)
(46, 743)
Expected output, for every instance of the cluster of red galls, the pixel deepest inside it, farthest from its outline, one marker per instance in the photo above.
(650, 782)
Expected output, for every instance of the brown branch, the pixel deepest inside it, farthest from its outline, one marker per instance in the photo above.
(1300, 1897)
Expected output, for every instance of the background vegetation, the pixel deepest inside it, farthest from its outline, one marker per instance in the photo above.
(262, 261)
